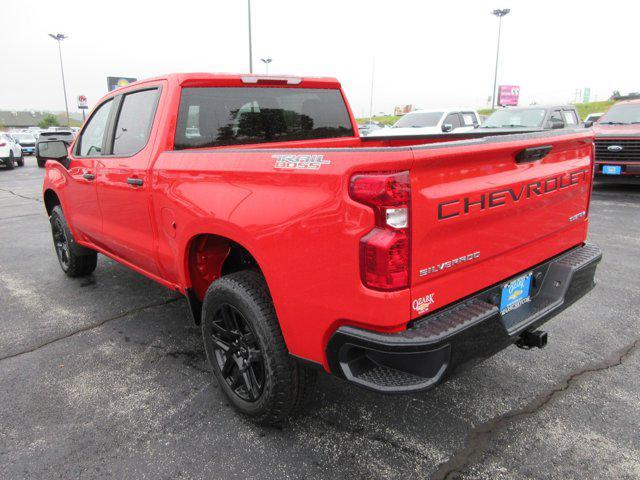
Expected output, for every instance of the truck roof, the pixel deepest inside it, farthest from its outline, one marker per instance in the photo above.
(196, 79)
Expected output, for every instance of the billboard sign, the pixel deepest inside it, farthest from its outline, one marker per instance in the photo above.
(82, 102)
(508, 95)
(402, 109)
(117, 82)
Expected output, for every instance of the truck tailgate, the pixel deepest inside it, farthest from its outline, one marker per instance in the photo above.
(485, 210)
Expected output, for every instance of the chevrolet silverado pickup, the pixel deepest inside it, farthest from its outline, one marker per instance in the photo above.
(300, 246)
(618, 143)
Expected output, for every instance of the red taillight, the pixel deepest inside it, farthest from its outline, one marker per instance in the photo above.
(3, 144)
(384, 251)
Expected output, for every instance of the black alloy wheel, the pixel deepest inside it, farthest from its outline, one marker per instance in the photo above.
(237, 352)
(60, 242)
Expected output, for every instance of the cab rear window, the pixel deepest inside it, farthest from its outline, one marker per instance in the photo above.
(218, 116)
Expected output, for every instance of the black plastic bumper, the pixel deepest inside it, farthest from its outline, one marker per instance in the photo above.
(472, 329)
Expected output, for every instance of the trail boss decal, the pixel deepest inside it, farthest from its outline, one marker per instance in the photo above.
(299, 162)
(500, 198)
(422, 304)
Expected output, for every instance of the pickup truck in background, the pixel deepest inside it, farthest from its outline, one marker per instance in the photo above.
(618, 144)
(300, 246)
(532, 119)
(435, 122)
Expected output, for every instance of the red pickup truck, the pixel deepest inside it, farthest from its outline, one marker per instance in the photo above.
(300, 245)
(618, 143)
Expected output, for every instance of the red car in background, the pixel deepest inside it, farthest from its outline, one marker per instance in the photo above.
(618, 143)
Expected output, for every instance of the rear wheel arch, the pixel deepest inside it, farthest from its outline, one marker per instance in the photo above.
(209, 257)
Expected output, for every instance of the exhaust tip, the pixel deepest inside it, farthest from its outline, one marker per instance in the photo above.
(530, 339)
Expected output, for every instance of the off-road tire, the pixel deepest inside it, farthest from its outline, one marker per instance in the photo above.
(71, 261)
(21, 160)
(286, 383)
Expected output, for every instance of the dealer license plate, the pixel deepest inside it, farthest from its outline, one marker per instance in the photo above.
(611, 169)
(515, 294)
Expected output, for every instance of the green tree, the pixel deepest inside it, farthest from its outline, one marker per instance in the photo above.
(48, 121)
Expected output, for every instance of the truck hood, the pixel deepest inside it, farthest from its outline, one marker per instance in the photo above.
(603, 131)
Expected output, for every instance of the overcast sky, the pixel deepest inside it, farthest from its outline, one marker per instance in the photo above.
(429, 54)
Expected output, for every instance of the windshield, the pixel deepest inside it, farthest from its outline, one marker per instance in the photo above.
(530, 117)
(24, 137)
(624, 114)
(418, 120)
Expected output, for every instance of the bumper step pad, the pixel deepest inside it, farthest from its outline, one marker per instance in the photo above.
(433, 346)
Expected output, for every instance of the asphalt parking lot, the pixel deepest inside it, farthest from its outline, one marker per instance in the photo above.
(105, 377)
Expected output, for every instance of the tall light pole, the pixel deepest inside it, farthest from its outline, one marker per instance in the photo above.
(499, 14)
(59, 37)
(250, 46)
(373, 70)
(266, 62)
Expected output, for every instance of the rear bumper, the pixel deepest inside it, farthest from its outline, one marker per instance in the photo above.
(472, 329)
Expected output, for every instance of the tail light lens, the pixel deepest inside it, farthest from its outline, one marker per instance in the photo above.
(3, 144)
(384, 251)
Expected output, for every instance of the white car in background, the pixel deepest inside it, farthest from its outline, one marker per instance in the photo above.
(430, 122)
(593, 118)
(10, 152)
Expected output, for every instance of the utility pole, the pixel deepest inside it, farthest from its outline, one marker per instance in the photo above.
(373, 69)
(59, 37)
(499, 14)
(250, 46)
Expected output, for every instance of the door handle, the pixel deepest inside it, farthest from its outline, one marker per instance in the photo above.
(88, 176)
(137, 182)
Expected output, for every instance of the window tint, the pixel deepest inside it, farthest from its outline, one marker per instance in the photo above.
(569, 117)
(134, 122)
(90, 143)
(469, 119)
(216, 116)
(453, 119)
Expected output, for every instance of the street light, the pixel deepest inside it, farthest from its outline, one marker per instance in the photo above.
(499, 14)
(267, 61)
(59, 37)
(250, 53)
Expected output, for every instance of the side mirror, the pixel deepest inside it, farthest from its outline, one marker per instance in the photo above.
(447, 127)
(588, 124)
(53, 150)
(554, 123)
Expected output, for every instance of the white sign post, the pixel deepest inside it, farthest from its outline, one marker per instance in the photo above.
(82, 104)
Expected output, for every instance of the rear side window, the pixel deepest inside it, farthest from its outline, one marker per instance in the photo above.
(134, 122)
(469, 119)
(218, 116)
(90, 142)
(569, 117)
